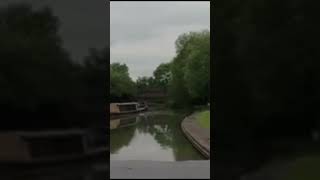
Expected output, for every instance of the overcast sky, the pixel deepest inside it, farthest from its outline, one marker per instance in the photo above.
(143, 33)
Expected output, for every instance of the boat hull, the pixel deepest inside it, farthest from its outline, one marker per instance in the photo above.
(115, 115)
(47, 147)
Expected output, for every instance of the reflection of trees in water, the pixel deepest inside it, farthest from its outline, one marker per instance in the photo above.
(164, 128)
(184, 150)
(159, 128)
(166, 131)
(121, 137)
(123, 133)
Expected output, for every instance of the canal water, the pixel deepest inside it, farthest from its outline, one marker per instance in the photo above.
(150, 136)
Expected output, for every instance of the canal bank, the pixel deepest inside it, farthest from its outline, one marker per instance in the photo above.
(197, 135)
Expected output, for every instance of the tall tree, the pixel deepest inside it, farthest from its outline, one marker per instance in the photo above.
(34, 68)
(191, 69)
(121, 85)
(162, 75)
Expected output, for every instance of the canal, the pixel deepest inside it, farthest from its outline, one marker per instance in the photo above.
(154, 135)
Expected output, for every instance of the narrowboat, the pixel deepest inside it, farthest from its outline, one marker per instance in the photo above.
(127, 108)
(47, 146)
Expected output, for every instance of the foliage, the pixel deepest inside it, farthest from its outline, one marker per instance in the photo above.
(41, 87)
(162, 75)
(121, 85)
(144, 83)
(190, 69)
(187, 77)
(266, 80)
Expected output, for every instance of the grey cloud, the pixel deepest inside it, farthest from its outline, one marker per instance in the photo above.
(143, 33)
(146, 19)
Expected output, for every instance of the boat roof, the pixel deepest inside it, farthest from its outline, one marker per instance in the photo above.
(45, 133)
(126, 103)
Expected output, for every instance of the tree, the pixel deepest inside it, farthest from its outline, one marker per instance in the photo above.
(41, 86)
(93, 77)
(162, 75)
(121, 85)
(266, 77)
(35, 69)
(142, 84)
(190, 69)
(197, 71)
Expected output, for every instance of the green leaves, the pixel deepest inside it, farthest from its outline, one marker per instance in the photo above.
(121, 84)
(191, 68)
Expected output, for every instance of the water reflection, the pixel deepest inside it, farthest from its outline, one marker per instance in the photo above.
(151, 136)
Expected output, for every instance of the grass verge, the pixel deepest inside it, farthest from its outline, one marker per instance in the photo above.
(305, 168)
(204, 119)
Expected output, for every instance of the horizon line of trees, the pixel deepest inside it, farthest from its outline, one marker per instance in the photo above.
(186, 78)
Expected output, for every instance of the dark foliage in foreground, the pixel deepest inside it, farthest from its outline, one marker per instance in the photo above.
(41, 87)
(266, 74)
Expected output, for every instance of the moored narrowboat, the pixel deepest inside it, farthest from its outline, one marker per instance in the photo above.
(127, 108)
(46, 146)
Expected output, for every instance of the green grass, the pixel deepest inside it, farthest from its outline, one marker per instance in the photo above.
(204, 119)
(306, 168)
